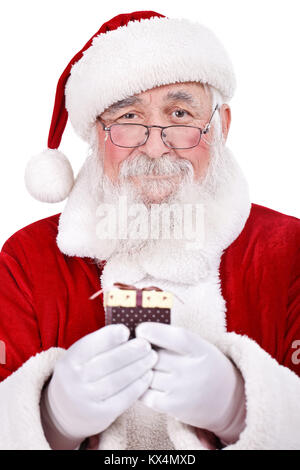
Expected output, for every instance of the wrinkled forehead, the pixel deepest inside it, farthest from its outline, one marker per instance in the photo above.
(194, 94)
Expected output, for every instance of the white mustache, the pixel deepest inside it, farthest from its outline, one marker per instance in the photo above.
(146, 166)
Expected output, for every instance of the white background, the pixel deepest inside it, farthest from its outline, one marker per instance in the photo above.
(262, 37)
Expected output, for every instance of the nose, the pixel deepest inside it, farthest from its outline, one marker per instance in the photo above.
(154, 147)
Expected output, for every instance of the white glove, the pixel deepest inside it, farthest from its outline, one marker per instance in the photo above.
(98, 378)
(194, 381)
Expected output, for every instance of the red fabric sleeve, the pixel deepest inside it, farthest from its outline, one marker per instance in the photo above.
(19, 331)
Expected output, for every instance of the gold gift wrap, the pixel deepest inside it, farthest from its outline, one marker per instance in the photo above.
(145, 298)
(120, 298)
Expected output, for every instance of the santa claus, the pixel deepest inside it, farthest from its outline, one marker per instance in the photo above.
(150, 96)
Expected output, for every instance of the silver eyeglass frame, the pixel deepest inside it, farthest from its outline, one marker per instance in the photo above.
(204, 131)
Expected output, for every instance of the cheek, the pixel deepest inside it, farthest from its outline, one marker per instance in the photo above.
(199, 158)
(113, 158)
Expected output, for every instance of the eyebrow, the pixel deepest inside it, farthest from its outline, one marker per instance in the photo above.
(173, 96)
(122, 104)
(182, 95)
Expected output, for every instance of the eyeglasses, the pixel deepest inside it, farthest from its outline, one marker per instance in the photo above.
(133, 135)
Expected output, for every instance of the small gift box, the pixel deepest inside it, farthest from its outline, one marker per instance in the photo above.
(131, 306)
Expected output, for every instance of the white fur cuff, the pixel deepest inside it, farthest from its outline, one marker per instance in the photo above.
(21, 427)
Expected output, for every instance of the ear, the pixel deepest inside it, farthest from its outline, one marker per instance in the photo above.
(225, 113)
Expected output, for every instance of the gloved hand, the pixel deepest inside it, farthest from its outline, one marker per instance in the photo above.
(98, 378)
(194, 381)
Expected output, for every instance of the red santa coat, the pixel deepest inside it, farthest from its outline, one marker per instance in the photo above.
(45, 307)
(45, 294)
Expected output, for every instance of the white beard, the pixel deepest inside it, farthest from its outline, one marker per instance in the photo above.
(223, 193)
(175, 193)
(204, 192)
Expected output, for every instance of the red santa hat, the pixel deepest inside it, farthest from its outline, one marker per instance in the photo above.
(129, 54)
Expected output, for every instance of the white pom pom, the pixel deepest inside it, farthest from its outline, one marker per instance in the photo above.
(49, 176)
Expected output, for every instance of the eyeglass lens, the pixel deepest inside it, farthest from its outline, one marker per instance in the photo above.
(133, 135)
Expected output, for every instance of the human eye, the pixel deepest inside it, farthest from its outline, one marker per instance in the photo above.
(180, 113)
(126, 116)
